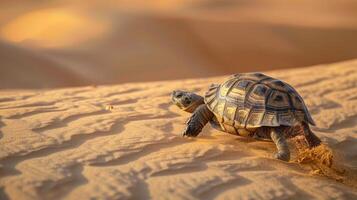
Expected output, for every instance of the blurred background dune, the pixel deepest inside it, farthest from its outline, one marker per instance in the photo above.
(60, 43)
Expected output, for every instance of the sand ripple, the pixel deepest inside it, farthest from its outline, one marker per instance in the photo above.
(124, 142)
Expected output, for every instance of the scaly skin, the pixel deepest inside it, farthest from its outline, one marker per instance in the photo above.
(281, 144)
(200, 117)
(311, 138)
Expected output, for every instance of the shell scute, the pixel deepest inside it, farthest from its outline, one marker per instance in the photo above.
(253, 100)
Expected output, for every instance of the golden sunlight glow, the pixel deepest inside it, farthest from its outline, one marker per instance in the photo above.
(53, 28)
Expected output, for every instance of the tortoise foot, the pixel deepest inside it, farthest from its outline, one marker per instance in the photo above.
(191, 131)
(282, 156)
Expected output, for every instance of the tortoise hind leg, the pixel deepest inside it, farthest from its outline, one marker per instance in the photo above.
(277, 135)
(311, 139)
(197, 121)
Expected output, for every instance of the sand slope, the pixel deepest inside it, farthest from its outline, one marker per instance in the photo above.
(22, 68)
(69, 143)
(111, 42)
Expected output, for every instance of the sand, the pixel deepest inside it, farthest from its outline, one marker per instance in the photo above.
(23, 68)
(124, 142)
(110, 42)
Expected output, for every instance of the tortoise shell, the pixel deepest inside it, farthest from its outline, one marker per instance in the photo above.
(253, 100)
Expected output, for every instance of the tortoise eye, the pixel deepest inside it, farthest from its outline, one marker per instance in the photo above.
(179, 95)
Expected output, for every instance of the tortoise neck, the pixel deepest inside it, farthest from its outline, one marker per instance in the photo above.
(195, 105)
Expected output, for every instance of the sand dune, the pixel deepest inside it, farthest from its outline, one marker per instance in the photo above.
(124, 142)
(21, 68)
(54, 27)
(181, 46)
(109, 42)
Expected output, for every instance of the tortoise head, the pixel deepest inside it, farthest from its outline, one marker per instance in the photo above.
(187, 101)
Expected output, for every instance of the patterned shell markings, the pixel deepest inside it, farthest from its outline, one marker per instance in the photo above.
(253, 100)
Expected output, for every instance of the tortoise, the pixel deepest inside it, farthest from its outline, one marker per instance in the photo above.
(251, 105)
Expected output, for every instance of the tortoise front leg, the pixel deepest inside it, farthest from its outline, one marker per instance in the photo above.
(197, 121)
(283, 148)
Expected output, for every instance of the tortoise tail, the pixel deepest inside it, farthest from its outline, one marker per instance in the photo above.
(311, 139)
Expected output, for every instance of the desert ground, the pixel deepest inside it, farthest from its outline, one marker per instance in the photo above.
(86, 113)
(124, 142)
